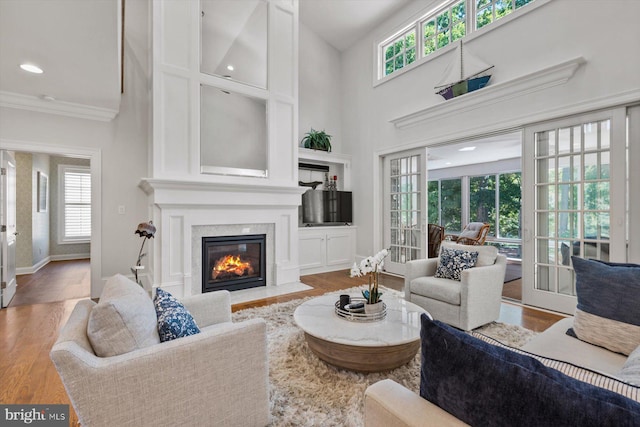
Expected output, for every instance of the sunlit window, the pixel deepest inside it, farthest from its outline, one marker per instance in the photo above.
(442, 26)
(400, 52)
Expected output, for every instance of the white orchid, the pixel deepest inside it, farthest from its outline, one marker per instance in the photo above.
(371, 266)
(355, 271)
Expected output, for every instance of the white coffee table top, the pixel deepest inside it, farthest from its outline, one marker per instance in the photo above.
(401, 325)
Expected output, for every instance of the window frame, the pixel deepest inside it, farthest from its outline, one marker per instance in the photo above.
(63, 239)
(416, 23)
(402, 53)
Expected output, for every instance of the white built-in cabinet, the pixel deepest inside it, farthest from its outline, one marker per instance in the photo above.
(339, 165)
(323, 249)
(330, 248)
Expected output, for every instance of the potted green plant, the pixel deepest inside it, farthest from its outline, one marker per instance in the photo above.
(317, 140)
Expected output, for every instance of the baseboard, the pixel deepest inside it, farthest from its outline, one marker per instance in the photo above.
(34, 268)
(68, 257)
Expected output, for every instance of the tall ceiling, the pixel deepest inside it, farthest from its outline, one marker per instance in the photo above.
(75, 42)
(342, 22)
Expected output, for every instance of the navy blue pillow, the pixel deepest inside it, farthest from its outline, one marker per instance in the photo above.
(486, 385)
(607, 289)
(174, 320)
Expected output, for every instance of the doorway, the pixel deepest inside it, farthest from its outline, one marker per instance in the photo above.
(94, 158)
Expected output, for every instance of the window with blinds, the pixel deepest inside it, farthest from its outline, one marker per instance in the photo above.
(76, 203)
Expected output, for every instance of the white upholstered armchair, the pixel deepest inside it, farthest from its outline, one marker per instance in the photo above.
(466, 304)
(217, 377)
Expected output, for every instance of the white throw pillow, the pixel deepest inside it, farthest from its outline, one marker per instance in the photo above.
(630, 372)
(123, 320)
(486, 254)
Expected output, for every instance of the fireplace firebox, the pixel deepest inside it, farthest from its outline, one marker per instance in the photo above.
(233, 262)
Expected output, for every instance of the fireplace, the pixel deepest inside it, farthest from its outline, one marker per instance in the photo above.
(233, 262)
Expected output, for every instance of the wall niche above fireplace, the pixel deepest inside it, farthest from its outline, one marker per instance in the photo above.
(233, 262)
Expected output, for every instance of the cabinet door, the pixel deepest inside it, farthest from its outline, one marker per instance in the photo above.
(339, 248)
(312, 249)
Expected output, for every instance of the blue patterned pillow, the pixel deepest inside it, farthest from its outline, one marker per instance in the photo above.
(453, 262)
(174, 321)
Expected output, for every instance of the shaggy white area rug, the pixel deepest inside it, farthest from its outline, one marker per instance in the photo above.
(305, 391)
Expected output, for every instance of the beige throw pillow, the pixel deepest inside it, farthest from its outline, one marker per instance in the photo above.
(123, 320)
(486, 254)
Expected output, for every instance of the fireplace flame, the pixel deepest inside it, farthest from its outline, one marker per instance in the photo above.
(231, 265)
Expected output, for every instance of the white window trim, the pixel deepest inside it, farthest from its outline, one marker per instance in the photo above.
(62, 240)
(378, 57)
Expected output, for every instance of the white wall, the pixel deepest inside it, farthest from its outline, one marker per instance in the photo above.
(123, 143)
(320, 88)
(556, 32)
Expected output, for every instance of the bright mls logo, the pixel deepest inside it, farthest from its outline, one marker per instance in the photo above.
(37, 415)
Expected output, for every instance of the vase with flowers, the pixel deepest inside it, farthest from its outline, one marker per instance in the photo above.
(371, 267)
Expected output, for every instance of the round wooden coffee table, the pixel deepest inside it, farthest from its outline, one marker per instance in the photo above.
(361, 346)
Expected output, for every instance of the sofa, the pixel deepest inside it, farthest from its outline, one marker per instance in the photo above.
(118, 373)
(465, 375)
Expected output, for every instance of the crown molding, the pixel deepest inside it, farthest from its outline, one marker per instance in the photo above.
(62, 108)
(538, 80)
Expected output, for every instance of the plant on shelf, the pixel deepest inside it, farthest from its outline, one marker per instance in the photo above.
(317, 140)
(371, 267)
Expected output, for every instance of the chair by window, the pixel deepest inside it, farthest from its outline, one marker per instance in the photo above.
(475, 233)
(435, 237)
(466, 304)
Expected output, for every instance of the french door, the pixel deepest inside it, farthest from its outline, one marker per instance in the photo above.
(8, 228)
(574, 202)
(404, 208)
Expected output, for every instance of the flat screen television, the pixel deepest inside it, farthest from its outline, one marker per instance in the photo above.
(321, 207)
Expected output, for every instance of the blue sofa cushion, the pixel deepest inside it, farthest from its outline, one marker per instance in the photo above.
(174, 320)
(453, 262)
(607, 313)
(487, 385)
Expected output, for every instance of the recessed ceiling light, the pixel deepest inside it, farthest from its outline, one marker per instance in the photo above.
(31, 68)
(467, 149)
(230, 67)
(448, 163)
(47, 98)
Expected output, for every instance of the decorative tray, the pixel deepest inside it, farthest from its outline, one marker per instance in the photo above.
(360, 315)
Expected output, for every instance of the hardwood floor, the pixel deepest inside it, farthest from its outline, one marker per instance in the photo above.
(28, 331)
(56, 281)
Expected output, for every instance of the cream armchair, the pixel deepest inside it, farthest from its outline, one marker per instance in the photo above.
(217, 377)
(467, 304)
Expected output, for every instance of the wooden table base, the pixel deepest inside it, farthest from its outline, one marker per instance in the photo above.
(363, 359)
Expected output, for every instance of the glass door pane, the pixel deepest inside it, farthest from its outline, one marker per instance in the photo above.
(572, 209)
(403, 226)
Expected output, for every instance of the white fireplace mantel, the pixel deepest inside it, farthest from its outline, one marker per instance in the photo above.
(181, 209)
(167, 193)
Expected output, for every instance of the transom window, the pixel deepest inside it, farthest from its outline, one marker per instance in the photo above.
(488, 11)
(446, 27)
(400, 52)
(449, 22)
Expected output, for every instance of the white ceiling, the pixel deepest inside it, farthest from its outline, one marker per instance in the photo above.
(488, 149)
(342, 22)
(75, 42)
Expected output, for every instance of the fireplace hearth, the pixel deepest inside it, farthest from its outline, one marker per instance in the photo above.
(233, 262)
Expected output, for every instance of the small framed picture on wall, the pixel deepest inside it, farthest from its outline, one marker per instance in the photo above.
(43, 191)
